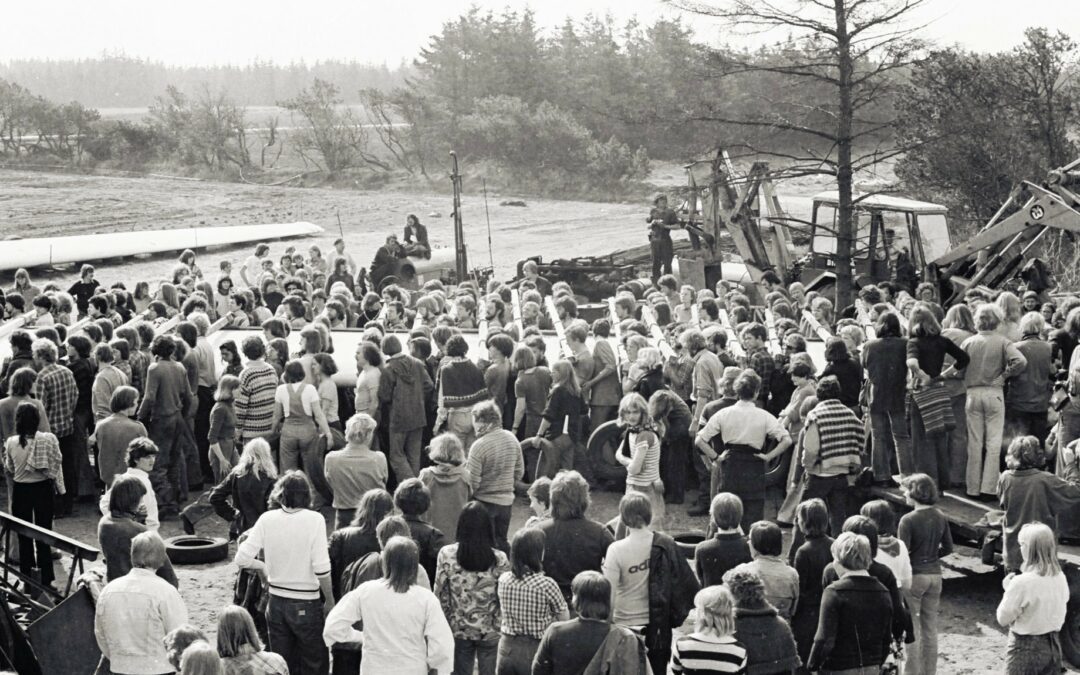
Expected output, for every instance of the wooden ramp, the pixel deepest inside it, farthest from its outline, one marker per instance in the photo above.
(47, 251)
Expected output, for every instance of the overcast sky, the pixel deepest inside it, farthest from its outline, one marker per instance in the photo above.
(387, 31)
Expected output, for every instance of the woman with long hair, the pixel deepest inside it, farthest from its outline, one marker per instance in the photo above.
(639, 452)
(1011, 310)
(140, 296)
(351, 543)
(1033, 606)
(242, 497)
(170, 295)
(466, 584)
(404, 630)
(33, 460)
(672, 417)
(649, 371)
(927, 351)
(230, 357)
(958, 325)
(23, 287)
(712, 647)
(240, 648)
(564, 410)
(122, 523)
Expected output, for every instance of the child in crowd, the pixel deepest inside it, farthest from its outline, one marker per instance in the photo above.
(447, 481)
(891, 551)
(727, 548)
(539, 501)
(413, 499)
(712, 647)
(222, 433)
(781, 581)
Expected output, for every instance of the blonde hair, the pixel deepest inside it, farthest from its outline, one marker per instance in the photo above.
(1040, 556)
(715, 611)
(226, 388)
(360, 428)
(256, 459)
(200, 658)
(650, 358)
(562, 372)
(634, 402)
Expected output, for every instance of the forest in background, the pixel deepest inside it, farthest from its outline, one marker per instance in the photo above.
(580, 108)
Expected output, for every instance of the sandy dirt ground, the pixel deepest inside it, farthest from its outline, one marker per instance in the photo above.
(42, 204)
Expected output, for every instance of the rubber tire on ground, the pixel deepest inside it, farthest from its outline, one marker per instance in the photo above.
(196, 550)
(608, 432)
(687, 542)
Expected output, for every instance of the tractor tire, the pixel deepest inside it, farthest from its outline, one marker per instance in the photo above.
(687, 543)
(601, 448)
(387, 281)
(195, 550)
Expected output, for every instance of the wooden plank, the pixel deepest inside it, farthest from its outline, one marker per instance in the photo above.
(621, 356)
(649, 319)
(515, 300)
(823, 333)
(733, 340)
(9, 327)
(774, 339)
(53, 539)
(564, 349)
(482, 333)
(903, 319)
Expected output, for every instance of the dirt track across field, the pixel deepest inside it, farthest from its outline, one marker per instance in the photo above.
(34, 204)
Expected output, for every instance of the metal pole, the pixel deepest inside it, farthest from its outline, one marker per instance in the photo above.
(487, 215)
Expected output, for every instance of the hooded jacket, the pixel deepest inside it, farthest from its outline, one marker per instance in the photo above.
(403, 389)
(450, 491)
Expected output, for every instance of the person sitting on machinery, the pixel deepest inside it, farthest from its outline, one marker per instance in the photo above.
(386, 259)
(416, 238)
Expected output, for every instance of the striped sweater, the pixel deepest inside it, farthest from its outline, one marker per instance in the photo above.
(840, 433)
(254, 401)
(701, 653)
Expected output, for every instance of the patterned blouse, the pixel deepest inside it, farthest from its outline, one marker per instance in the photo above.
(470, 600)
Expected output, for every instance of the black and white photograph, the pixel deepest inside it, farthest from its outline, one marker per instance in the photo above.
(540, 337)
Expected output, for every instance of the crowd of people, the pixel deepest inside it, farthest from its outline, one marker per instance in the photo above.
(118, 399)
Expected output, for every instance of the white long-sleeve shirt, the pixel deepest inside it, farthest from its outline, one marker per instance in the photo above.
(404, 633)
(295, 551)
(149, 500)
(1034, 604)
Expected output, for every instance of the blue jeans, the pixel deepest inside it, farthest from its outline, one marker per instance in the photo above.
(923, 598)
(516, 654)
(295, 630)
(482, 653)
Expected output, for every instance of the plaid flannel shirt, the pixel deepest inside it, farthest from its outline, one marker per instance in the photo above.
(44, 456)
(57, 391)
(530, 604)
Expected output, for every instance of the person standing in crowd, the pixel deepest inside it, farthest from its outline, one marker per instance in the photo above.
(927, 350)
(355, 469)
(1027, 397)
(885, 360)
(767, 638)
(404, 629)
(603, 387)
(460, 386)
(1028, 494)
(349, 544)
(654, 598)
(240, 648)
(221, 428)
(368, 372)
(21, 357)
(413, 501)
(739, 464)
(712, 647)
(925, 532)
(640, 453)
(254, 399)
(448, 482)
(135, 612)
(120, 525)
(833, 439)
(300, 418)
(494, 465)
(242, 497)
(21, 390)
(296, 563)
(810, 560)
(466, 583)
(164, 406)
(755, 338)
(993, 359)
(109, 378)
(891, 551)
(32, 458)
(959, 325)
(403, 389)
(340, 253)
(727, 548)
(57, 391)
(529, 602)
(1033, 607)
(568, 647)
(781, 581)
(662, 220)
(561, 424)
(855, 629)
(706, 373)
(572, 542)
(672, 418)
(531, 387)
(84, 289)
(115, 432)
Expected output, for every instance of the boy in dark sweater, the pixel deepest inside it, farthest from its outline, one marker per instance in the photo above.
(728, 547)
